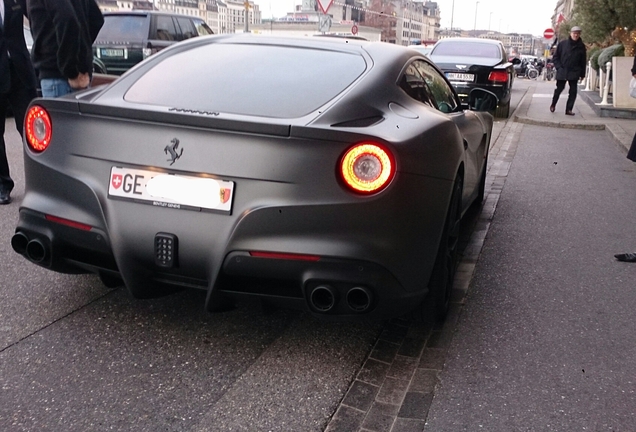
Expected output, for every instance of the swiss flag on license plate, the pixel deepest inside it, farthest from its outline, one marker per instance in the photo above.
(116, 180)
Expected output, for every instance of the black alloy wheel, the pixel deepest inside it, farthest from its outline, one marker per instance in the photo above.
(435, 305)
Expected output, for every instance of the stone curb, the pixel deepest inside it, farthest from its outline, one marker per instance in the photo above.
(562, 125)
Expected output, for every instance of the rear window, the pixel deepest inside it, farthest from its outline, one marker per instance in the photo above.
(259, 80)
(463, 49)
(123, 28)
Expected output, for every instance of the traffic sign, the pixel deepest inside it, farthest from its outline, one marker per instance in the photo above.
(324, 5)
(354, 29)
(548, 33)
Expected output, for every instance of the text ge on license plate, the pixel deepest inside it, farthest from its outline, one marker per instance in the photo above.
(452, 76)
(169, 190)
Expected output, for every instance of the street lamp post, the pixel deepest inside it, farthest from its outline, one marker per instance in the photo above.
(475, 26)
(452, 16)
(489, 19)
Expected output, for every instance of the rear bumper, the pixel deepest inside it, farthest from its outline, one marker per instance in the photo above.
(355, 289)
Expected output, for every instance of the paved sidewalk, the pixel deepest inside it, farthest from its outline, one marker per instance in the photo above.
(535, 109)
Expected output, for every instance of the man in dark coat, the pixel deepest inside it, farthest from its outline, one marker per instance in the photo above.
(631, 155)
(63, 35)
(570, 60)
(17, 80)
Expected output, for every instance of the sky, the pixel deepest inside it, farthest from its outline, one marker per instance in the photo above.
(505, 16)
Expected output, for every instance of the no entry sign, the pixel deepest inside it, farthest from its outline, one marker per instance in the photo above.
(548, 33)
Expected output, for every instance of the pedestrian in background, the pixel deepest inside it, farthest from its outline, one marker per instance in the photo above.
(63, 36)
(631, 155)
(570, 60)
(17, 81)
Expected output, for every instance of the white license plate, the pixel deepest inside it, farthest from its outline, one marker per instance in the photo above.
(452, 76)
(114, 52)
(171, 190)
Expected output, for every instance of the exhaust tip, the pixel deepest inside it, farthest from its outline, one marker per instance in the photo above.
(323, 298)
(359, 299)
(19, 242)
(36, 251)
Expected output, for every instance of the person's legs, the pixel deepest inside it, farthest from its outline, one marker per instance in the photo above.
(6, 183)
(631, 154)
(55, 87)
(569, 105)
(560, 85)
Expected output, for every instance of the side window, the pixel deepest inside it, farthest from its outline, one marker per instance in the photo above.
(413, 84)
(202, 28)
(187, 28)
(166, 29)
(445, 100)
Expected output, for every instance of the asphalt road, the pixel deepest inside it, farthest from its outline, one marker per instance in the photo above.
(76, 356)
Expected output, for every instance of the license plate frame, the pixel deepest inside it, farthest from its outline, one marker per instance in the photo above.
(171, 190)
(463, 77)
(121, 53)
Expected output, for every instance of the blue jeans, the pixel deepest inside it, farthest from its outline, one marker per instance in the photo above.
(55, 87)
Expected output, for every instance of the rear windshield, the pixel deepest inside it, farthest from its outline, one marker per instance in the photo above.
(123, 28)
(464, 49)
(259, 80)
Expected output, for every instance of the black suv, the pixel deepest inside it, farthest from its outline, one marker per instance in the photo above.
(129, 37)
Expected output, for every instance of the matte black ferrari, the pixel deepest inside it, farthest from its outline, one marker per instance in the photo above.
(321, 174)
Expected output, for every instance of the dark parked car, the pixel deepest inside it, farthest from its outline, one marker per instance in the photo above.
(332, 178)
(130, 37)
(470, 62)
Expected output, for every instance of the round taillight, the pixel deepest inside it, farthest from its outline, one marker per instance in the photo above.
(367, 168)
(37, 126)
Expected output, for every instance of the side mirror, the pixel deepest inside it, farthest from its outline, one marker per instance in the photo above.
(482, 100)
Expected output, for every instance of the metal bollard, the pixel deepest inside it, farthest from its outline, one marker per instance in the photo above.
(588, 76)
(601, 81)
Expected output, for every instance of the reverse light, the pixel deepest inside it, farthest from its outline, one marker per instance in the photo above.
(367, 168)
(37, 126)
(498, 76)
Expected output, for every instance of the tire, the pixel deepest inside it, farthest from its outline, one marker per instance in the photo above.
(441, 284)
(503, 111)
(435, 305)
(533, 74)
(481, 193)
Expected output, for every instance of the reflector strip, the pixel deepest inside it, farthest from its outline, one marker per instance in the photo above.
(67, 222)
(284, 256)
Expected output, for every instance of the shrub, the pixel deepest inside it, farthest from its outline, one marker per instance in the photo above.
(609, 52)
(594, 59)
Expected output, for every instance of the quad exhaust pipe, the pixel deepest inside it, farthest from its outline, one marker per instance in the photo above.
(33, 249)
(324, 299)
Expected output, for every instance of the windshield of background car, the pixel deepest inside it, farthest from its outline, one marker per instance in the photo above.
(464, 49)
(260, 80)
(123, 28)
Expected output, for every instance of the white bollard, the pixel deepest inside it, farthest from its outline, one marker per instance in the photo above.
(588, 76)
(601, 81)
(608, 67)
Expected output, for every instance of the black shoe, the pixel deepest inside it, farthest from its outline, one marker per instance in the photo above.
(569, 113)
(552, 108)
(626, 257)
(5, 197)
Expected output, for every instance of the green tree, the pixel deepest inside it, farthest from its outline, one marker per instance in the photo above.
(599, 18)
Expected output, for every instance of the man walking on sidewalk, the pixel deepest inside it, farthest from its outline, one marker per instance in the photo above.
(569, 60)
